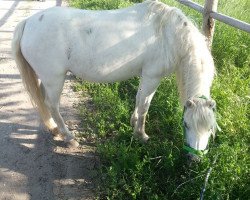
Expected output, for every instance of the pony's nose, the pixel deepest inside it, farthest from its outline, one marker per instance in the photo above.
(193, 158)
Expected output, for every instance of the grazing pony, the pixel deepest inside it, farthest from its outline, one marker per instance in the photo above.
(149, 39)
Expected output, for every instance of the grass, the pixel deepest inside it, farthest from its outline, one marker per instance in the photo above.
(157, 170)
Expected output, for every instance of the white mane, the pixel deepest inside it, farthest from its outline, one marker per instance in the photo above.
(189, 54)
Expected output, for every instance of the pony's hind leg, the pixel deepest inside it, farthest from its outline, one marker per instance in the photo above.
(52, 98)
(47, 119)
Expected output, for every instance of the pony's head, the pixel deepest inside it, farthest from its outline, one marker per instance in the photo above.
(199, 123)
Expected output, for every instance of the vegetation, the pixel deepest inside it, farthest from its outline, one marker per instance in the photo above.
(157, 170)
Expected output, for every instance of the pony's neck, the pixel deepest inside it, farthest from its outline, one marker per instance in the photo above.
(186, 49)
(194, 77)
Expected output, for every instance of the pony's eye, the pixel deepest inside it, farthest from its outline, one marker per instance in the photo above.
(186, 125)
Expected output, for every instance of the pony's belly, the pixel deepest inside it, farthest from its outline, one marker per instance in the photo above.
(106, 67)
(104, 75)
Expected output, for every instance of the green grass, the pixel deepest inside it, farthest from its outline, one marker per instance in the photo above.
(157, 170)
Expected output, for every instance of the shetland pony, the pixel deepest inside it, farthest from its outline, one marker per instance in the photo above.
(150, 40)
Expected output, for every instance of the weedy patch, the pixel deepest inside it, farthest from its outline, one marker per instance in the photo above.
(157, 170)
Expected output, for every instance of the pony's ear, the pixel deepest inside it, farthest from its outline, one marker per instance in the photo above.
(190, 103)
(211, 104)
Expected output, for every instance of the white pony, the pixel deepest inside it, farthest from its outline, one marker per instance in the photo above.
(149, 39)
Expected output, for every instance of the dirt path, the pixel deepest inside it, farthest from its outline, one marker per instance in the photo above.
(33, 165)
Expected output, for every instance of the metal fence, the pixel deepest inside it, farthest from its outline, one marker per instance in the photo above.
(209, 14)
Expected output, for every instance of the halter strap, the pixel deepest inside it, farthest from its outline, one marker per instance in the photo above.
(191, 150)
(203, 97)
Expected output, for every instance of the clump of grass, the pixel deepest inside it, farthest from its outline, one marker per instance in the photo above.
(157, 170)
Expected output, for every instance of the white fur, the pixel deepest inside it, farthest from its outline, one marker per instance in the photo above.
(149, 40)
(200, 120)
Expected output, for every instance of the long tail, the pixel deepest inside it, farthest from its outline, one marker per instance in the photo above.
(29, 78)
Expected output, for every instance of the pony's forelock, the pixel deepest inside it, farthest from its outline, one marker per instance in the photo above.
(201, 118)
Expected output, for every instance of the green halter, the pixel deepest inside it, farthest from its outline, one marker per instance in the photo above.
(191, 150)
(187, 148)
(203, 97)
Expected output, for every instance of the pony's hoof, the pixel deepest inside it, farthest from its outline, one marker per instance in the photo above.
(145, 138)
(55, 132)
(141, 137)
(72, 143)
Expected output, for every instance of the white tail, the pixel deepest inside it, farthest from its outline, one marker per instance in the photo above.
(29, 78)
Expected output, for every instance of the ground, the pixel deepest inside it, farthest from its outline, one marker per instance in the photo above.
(34, 165)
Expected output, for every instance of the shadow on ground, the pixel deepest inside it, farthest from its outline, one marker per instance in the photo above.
(31, 151)
(31, 161)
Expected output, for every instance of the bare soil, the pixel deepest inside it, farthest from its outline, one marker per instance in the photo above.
(33, 164)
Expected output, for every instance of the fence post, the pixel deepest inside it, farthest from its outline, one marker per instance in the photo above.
(208, 22)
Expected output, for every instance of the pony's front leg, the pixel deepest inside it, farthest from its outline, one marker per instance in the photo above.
(134, 117)
(147, 89)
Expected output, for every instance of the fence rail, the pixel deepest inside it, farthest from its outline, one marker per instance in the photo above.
(220, 17)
